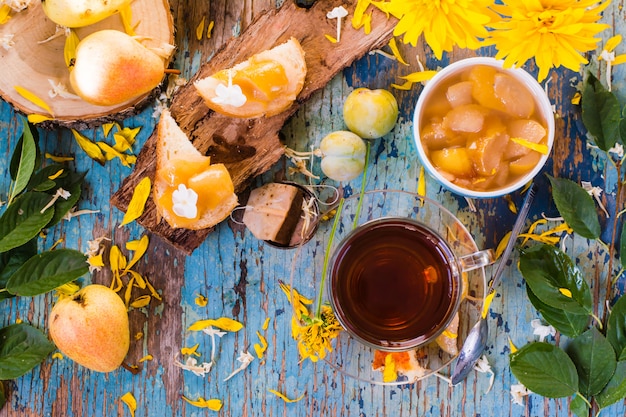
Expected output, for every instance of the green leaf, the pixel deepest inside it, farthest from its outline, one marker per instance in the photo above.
(46, 271)
(579, 407)
(615, 390)
(595, 361)
(23, 220)
(67, 180)
(547, 271)
(576, 207)
(565, 322)
(73, 184)
(43, 177)
(15, 158)
(10, 261)
(600, 113)
(545, 369)
(28, 156)
(22, 347)
(616, 327)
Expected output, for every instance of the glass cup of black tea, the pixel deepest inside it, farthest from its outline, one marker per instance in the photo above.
(394, 281)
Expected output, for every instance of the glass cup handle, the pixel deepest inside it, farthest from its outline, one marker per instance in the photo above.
(477, 260)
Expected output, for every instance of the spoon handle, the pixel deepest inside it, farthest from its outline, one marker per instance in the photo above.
(517, 228)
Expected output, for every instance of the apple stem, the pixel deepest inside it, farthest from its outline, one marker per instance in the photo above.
(132, 369)
(172, 71)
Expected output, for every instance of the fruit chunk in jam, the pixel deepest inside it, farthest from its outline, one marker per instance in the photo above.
(212, 183)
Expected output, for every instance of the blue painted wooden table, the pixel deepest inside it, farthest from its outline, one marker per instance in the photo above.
(239, 274)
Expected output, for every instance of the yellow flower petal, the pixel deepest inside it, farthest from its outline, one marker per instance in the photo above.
(512, 346)
(141, 301)
(619, 59)
(330, 38)
(212, 404)
(131, 403)
(406, 86)
(128, 292)
(33, 98)
(487, 303)
(565, 292)
(511, 204)
(5, 13)
(126, 14)
(38, 118)
(58, 159)
(107, 127)
(200, 29)
(96, 261)
(67, 289)
(612, 42)
(56, 174)
(223, 323)
(396, 52)
(358, 18)
(91, 149)
(260, 349)
(69, 50)
(138, 201)
(57, 355)
(201, 300)
(146, 358)
(502, 244)
(419, 76)
(191, 350)
(285, 398)
(117, 260)
(209, 30)
(389, 373)
(139, 248)
(266, 323)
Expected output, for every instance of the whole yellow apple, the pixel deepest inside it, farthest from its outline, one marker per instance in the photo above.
(112, 67)
(91, 328)
(72, 13)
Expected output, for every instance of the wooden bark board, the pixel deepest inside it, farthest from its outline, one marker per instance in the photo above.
(249, 147)
(31, 63)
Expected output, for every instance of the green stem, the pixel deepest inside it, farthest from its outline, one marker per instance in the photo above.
(584, 399)
(318, 308)
(619, 274)
(358, 207)
(597, 319)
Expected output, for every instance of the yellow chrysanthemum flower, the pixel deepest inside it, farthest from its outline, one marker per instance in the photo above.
(314, 334)
(553, 32)
(444, 23)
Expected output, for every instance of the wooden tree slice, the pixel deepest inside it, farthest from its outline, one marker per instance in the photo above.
(33, 64)
(249, 147)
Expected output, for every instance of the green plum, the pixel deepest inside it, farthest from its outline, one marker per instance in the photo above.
(343, 155)
(370, 113)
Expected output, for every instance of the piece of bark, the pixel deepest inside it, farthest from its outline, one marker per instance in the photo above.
(249, 147)
(32, 63)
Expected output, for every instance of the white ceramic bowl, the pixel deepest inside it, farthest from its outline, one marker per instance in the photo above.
(543, 107)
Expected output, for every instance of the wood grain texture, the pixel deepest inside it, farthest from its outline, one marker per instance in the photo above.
(239, 275)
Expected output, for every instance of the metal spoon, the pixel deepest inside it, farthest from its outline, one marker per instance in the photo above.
(476, 340)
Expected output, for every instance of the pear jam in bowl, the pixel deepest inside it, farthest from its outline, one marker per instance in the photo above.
(482, 130)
